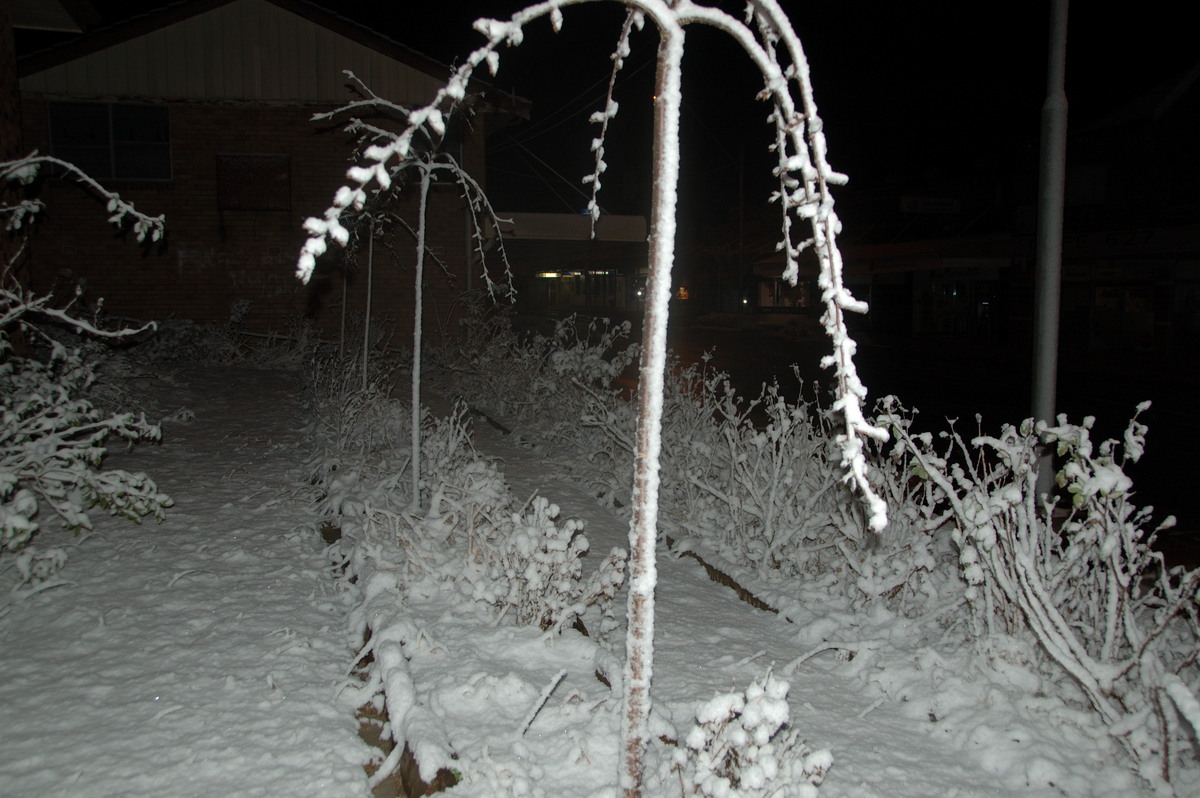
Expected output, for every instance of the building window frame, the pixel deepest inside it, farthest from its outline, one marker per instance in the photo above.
(113, 141)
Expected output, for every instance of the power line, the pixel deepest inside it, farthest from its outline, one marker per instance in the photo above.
(566, 112)
(557, 174)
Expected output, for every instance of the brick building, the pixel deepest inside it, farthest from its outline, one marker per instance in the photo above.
(203, 111)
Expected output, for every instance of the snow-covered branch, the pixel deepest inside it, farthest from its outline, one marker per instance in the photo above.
(25, 170)
(15, 301)
(389, 178)
(805, 178)
(633, 21)
(15, 304)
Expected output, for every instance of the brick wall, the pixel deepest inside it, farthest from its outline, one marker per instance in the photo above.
(211, 256)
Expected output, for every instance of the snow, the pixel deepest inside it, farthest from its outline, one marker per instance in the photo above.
(199, 656)
(212, 654)
(221, 652)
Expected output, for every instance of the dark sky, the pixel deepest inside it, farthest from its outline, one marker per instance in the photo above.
(914, 93)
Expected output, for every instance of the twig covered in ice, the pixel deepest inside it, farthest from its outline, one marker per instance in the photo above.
(25, 170)
(633, 20)
(541, 700)
(380, 142)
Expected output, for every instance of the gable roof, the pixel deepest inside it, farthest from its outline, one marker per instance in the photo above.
(254, 50)
(173, 13)
(59, 16)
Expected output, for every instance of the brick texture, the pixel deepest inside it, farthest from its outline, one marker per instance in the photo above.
(212, 257)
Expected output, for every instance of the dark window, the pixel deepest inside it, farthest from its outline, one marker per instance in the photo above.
(113, 141)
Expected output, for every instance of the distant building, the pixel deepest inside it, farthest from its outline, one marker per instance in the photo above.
(564, 264)
(1131, 247)
(202, 111)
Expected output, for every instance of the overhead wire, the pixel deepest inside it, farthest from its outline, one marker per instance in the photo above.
(530, 154)
(566, 112)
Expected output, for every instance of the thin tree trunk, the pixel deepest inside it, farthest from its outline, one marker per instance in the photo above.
(11, 146)
(643, 529)
(416, 364)
(367, 320)
(342, 328)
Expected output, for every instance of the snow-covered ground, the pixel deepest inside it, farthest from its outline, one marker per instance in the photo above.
(209, 655)
(201, 656)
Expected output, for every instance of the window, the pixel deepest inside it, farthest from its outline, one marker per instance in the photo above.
(113, 141)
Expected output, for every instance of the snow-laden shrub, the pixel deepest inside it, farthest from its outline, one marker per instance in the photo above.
(513, 559)
(742, 746)
(1081, 578)
(52, 439)
(768, 493)
(353, 413)
(184, 341)
(530, 374)
(760, 485)
(523, 564)
(466, 532)
(912, 561)
(535, 568)
(52, 442)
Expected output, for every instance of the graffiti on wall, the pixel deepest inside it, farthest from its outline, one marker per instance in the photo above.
(253, 276)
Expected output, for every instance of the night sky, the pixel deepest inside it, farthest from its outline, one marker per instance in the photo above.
(917, 93)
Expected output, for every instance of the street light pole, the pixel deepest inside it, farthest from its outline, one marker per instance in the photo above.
(1048, 264)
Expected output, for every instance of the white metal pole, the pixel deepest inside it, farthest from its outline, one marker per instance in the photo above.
(1048, 264)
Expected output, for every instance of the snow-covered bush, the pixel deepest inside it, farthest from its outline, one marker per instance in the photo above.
(354, 430)
(742, 746)
(1082, 579)
(756, 483)
(912, 561)
(534, 567)
(185, 341)
(466, 531)
(360, 419)
(52, 438)
(51, 442)
(494, 365)
(513, 559)
(530, 374)
(349, 398)
(765, 493)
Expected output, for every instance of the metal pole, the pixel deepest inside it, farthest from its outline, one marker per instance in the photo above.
(1048, 264)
